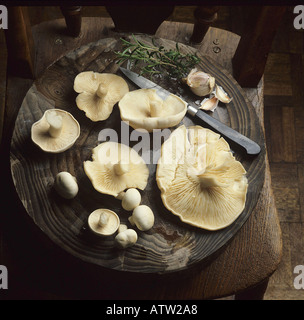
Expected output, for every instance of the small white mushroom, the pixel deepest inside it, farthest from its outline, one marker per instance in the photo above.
(122, 227)
(120, 195)
(126, 238)
(66, 185)
(131, 199)
(142, 217)
(103, 222)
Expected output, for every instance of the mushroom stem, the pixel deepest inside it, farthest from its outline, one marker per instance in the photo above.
(210, 180)
(155, 108)
(121, 168)
(55, 122)
(103, 219)
(101, 91)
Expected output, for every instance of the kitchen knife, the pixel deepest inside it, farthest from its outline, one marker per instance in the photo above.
(250, 146)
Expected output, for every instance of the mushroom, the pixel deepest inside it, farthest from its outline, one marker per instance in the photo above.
(200, 83)
(103, 222)
(122, 227)
(56, 131)
(126, 238)
(142, 217)
(116, 167)
(131, 199)
(200, 180)
(66, 185)
(144, 109)
(98, 93)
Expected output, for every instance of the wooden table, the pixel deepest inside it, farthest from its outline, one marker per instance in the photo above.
(246, 261)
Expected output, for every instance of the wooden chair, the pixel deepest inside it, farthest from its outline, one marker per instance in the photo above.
(243, 267)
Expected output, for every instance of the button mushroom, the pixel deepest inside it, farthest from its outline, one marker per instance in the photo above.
(56, 131)
(142, 217)
(116, 167)
(66, 185)
(126, 238)
(131, 199)
(103, 222)
(98, 93)
(144, 109)
(200, 180)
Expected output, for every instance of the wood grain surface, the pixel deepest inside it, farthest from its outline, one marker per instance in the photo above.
(170, 245)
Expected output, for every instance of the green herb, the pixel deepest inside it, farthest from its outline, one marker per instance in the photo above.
(157, 59)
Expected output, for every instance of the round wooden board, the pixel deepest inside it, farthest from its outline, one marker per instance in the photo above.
(170, 245)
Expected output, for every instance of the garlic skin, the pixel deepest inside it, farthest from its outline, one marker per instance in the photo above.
(200, 83)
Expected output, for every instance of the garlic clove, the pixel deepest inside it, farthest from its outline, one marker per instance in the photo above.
(221, 94)
(209, 104)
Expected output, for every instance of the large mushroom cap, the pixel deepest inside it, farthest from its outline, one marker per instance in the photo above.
(56, 131)
(144, 109)
(200, 180)
(98, 93)
(116, 167)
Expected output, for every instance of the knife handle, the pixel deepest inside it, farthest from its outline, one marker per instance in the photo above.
(251, 147)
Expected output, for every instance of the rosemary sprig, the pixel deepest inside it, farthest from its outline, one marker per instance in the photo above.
(157, 59)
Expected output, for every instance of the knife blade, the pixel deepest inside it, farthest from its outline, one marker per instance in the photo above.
(251, 147)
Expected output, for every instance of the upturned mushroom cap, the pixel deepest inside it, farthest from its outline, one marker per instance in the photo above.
(103, 222)
(98, 93)
(144, 109)
(116, 167)
(200, 180)
(56, 131)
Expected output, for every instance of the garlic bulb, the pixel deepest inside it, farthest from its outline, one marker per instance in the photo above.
(200, 83)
